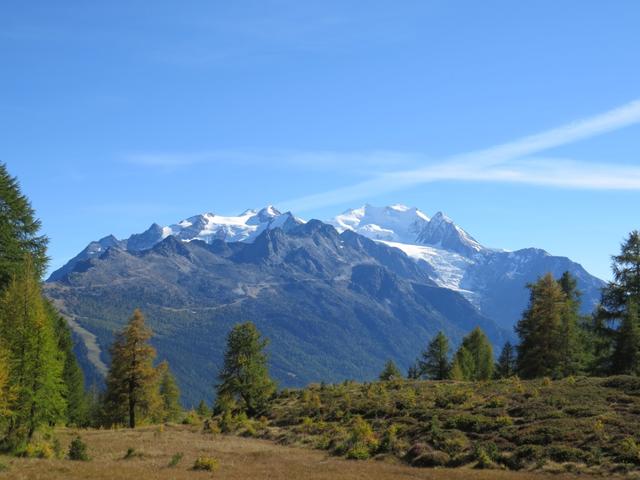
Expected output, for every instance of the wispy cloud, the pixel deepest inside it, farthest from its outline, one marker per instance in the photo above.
(354, 162)
(506, 163)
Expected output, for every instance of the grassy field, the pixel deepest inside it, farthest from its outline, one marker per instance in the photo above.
(239, 458)
(578, 425)
(507, 429)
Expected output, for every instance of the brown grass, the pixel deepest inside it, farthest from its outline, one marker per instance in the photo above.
(239, 459)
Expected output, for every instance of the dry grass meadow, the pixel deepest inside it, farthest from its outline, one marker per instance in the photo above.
(239, 459)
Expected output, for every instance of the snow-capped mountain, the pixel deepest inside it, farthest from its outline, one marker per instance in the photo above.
(409, 225)
(206, 227)
(459, 262)
(396, 223)
(454, 259)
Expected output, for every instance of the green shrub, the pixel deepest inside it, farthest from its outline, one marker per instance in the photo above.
(176, 459)
(132, 453)
(453, 443)
(38, 450)
(627, 450)
(452, 396)
(361, 441)
(3, 467)
(482, 458)
(191, 418)
(206, 463)
(78, 450)
(565, 453)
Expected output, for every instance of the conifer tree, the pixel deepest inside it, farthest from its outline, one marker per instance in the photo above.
(626, 353)
(132, 379)
(244, 378)
(435, 359)
(540, 330)
(72, 376)
(612, 314)
(462, 367)
(169, 393)
(35, 364)
(19, 231)
(413, 372)
(390, 372)
(203, 409)
(6, 396)
(571, 351)
(506, 366)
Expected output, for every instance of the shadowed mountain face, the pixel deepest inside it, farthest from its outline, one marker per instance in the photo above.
(334, 306)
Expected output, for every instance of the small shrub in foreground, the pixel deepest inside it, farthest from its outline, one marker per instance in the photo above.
(132, 453)
(78, 450)
(208, 464)
(176, 459)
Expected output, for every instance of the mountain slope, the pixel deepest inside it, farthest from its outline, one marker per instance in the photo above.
(335, 306)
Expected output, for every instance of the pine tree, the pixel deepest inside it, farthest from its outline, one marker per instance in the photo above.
(72, 375)
(244, 378)
(612, 313)
(18, 231)
(169, 393)
(506, 366)
(203, 409)
(435, 359)
(132, 379)
(390, 372)
(413, 372)
(540, 330)
(626, 353)
(35, 363)
(571, 351)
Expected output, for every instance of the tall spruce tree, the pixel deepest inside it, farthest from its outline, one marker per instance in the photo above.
(506, 366)
(169, 394)
(132, 387)
(613, 321)
(72, 376)
(390, 372)
(244, 379)
(626, 353)
(434, 362)
(19, 231)
(474, 358)
(540, 330)
(569, 341)
(6, 396)
(35, 363)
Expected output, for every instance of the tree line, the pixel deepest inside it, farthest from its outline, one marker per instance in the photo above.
(554, 339)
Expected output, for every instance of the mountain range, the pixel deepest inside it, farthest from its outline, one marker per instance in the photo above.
(336, 298)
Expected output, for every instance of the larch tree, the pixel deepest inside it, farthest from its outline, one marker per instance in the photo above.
(169, 394)
(19, 231)
(35, 363)
(474, 358)
(434, 362)
(540, 330)
(244, 381)
(390, 372)
(132, 385)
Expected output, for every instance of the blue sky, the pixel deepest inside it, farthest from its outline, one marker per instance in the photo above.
(117, 114)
